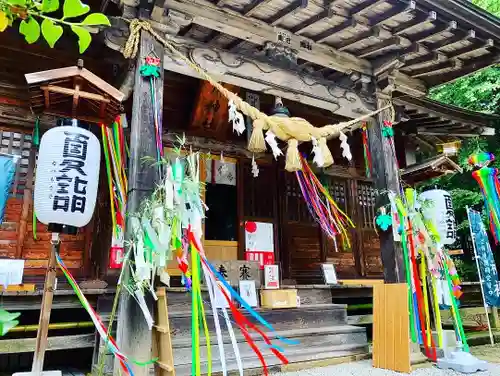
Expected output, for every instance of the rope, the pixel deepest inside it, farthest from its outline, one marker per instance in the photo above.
(302, 129)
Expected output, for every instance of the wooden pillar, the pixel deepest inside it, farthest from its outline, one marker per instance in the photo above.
(386, 178)
(133, 334)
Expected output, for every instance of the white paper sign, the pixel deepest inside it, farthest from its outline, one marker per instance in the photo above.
(248, 293)
(259, 237)
(271, 277)
(11, 272)
(220, 172)
(67, 176)
(220, 298)
(329, 274)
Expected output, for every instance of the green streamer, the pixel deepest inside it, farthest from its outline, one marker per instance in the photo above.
(35, 237)
(457, 317)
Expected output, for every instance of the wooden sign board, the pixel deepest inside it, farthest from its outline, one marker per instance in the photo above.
(239, 270)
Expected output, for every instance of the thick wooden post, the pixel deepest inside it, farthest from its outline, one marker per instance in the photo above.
(133, 334)
(386, 178)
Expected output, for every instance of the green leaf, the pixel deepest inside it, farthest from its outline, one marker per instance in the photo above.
(51, 32)
(50, 6)
(74, 8)
(17, 2)
(4, 21)
(30, 29)
(84, 37)
(96, 19)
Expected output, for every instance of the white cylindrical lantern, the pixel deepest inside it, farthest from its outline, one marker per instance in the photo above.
(437, 207)
(67, 176)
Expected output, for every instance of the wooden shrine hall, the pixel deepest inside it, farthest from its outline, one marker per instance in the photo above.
(324, 61)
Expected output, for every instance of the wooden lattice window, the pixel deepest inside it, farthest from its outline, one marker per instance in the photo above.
(366, 204)
(296, 209)
(17, 143)
(338, 190)
(259, 193)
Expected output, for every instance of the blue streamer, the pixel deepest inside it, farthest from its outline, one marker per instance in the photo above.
(7, 172)
(247, 306)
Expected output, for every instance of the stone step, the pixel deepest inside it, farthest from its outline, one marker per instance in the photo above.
(333, 335)
(311, 316)
(251, 361)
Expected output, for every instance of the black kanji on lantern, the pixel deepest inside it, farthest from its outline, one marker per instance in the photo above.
(71, 188)
(75, 146)
(80, 186)
(78, 204)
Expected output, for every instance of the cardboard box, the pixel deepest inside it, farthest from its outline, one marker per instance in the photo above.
(276, 299)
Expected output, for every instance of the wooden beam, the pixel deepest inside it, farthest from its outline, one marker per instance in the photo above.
(395, 11)
(133, 334)
(365, 6)
(458, 37)
(454, 134)
(259, 76)
(291, 9)
(254, 7)
(348, 43)
(433, 57)
(440, 110)
(428, 34)
(444, 66)
(393, 60)
(417, 21)
(406, 84)
(72, 92)
(207, 14)
(235, 45)
(321, 37)
(435, 121)
(470, 66)
(322, 16)
(464, 51)
(380, 47)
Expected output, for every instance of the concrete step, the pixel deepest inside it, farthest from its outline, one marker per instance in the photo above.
(311, 316)
(314, 344)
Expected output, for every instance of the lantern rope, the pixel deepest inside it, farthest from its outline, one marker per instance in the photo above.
(291, 130)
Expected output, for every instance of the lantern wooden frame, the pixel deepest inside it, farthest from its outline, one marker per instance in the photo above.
(74, 92)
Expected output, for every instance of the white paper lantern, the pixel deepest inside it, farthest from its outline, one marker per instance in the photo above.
(438, 208)
(67, 176)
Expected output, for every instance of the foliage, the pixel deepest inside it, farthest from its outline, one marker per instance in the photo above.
(479, 91)
(492, 6)
(35, 21)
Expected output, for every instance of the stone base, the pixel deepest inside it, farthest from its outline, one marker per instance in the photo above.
(462, 362)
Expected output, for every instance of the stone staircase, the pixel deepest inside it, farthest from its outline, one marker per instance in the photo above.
(320, 328)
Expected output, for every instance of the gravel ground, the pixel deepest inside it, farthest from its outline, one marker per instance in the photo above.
(364, 368)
